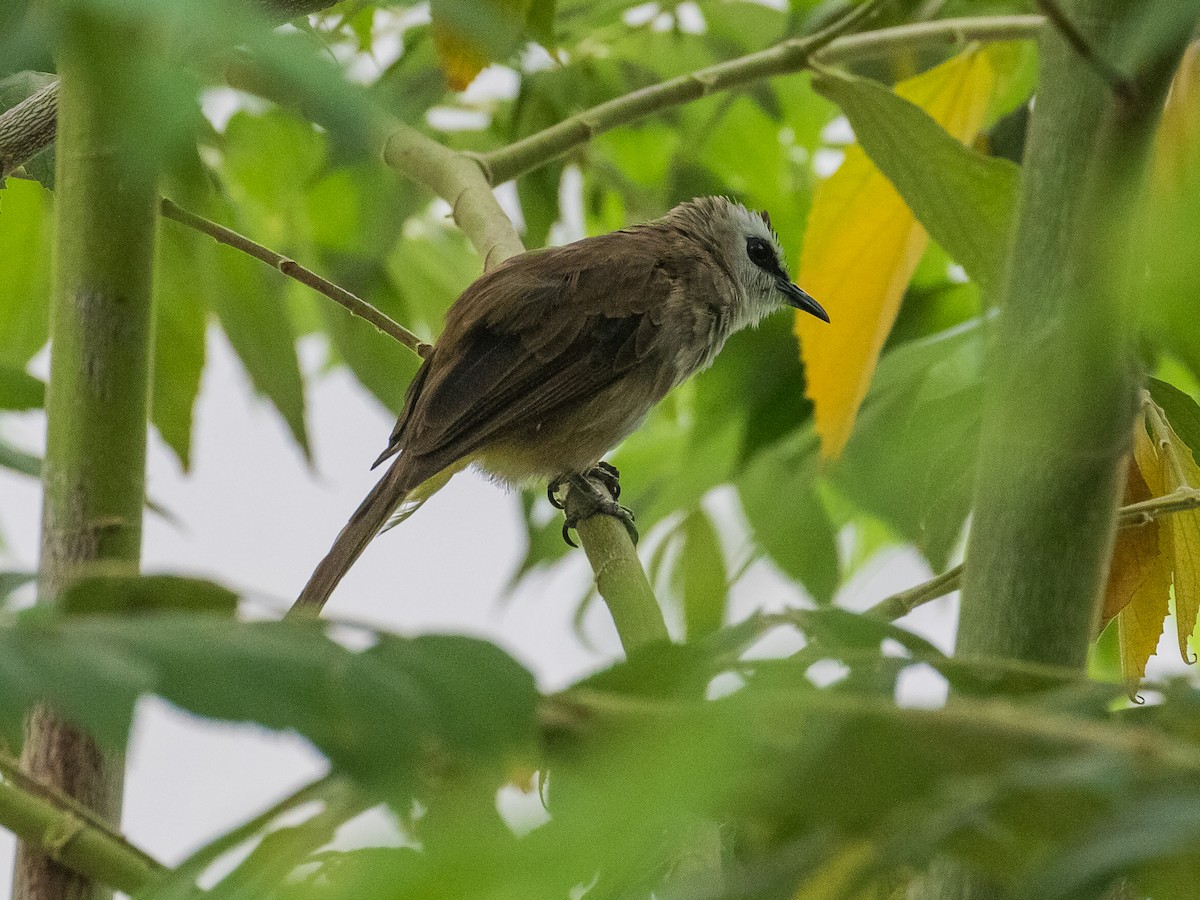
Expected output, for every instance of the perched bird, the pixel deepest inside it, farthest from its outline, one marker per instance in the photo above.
(554, 356)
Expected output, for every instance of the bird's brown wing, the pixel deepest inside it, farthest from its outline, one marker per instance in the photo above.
(534, 338)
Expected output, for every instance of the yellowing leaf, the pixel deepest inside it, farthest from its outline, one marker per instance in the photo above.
(1177, 143)
(1149, 559)
(1139, 585)
(1179, 470)
(469, 34)
(1135, 549)
(461, 59)
(862, 245)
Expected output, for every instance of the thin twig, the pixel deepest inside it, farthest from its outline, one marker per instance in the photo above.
(356, 305)
(789, 56)
(894, 607)
(901, 604)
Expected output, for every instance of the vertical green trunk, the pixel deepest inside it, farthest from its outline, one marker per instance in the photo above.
(106, 201)
(1060, 411)
(1063, 393)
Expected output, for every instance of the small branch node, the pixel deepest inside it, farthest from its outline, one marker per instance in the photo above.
(484, 166)
(60, 833)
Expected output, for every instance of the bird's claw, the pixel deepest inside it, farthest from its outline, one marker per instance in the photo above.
(552, 490)
(604, 472)
(592, 500)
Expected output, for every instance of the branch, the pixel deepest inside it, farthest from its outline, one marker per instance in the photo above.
(790, 56)
(1131, 516)
(69, 833)
(356, 305)
(27, 129)
(459, 180)
(620, 578)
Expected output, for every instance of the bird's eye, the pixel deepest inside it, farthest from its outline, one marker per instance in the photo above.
(760, 253)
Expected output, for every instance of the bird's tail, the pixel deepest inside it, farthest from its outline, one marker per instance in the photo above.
(372, 514)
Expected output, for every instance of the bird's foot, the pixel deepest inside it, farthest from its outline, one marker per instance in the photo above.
(606, 473)
(586, 498)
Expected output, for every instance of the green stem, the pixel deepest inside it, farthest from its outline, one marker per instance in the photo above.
(784, 58)
(97, 401)
(69, 833)
(1062, 396)
(901, 604)
(1062, 400)
(620, 579)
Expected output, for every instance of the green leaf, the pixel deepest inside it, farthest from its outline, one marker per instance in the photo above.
(19, 460)
(270, 158)
(25, 234)
(540, 21)
(911, 458)
(378, 714)
(429, 271)
(789, 520)
(701, 571)
(179, 335)
(121, 594)
(19, 390)
(1182, 412)
(964, 199)
(381, 365)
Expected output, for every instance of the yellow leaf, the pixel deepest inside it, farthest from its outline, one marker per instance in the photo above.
(461, 59)
(1179, 470)
(464, 31)
(862, 245)
(1135, 549)
(1141, 567)
(1176, 144)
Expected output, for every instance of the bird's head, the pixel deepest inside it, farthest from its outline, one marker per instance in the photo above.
(751, 251)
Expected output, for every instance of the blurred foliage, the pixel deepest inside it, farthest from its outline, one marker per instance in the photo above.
(823, 784)
(1028, 776)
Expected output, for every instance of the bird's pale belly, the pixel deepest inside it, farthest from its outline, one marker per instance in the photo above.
(568, 444)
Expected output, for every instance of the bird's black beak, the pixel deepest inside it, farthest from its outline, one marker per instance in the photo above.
(793, 296)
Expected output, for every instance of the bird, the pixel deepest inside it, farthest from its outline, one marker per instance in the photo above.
(551, 358)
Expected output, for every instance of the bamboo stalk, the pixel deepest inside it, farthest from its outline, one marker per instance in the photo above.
(97, 398)
(1062, 395)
